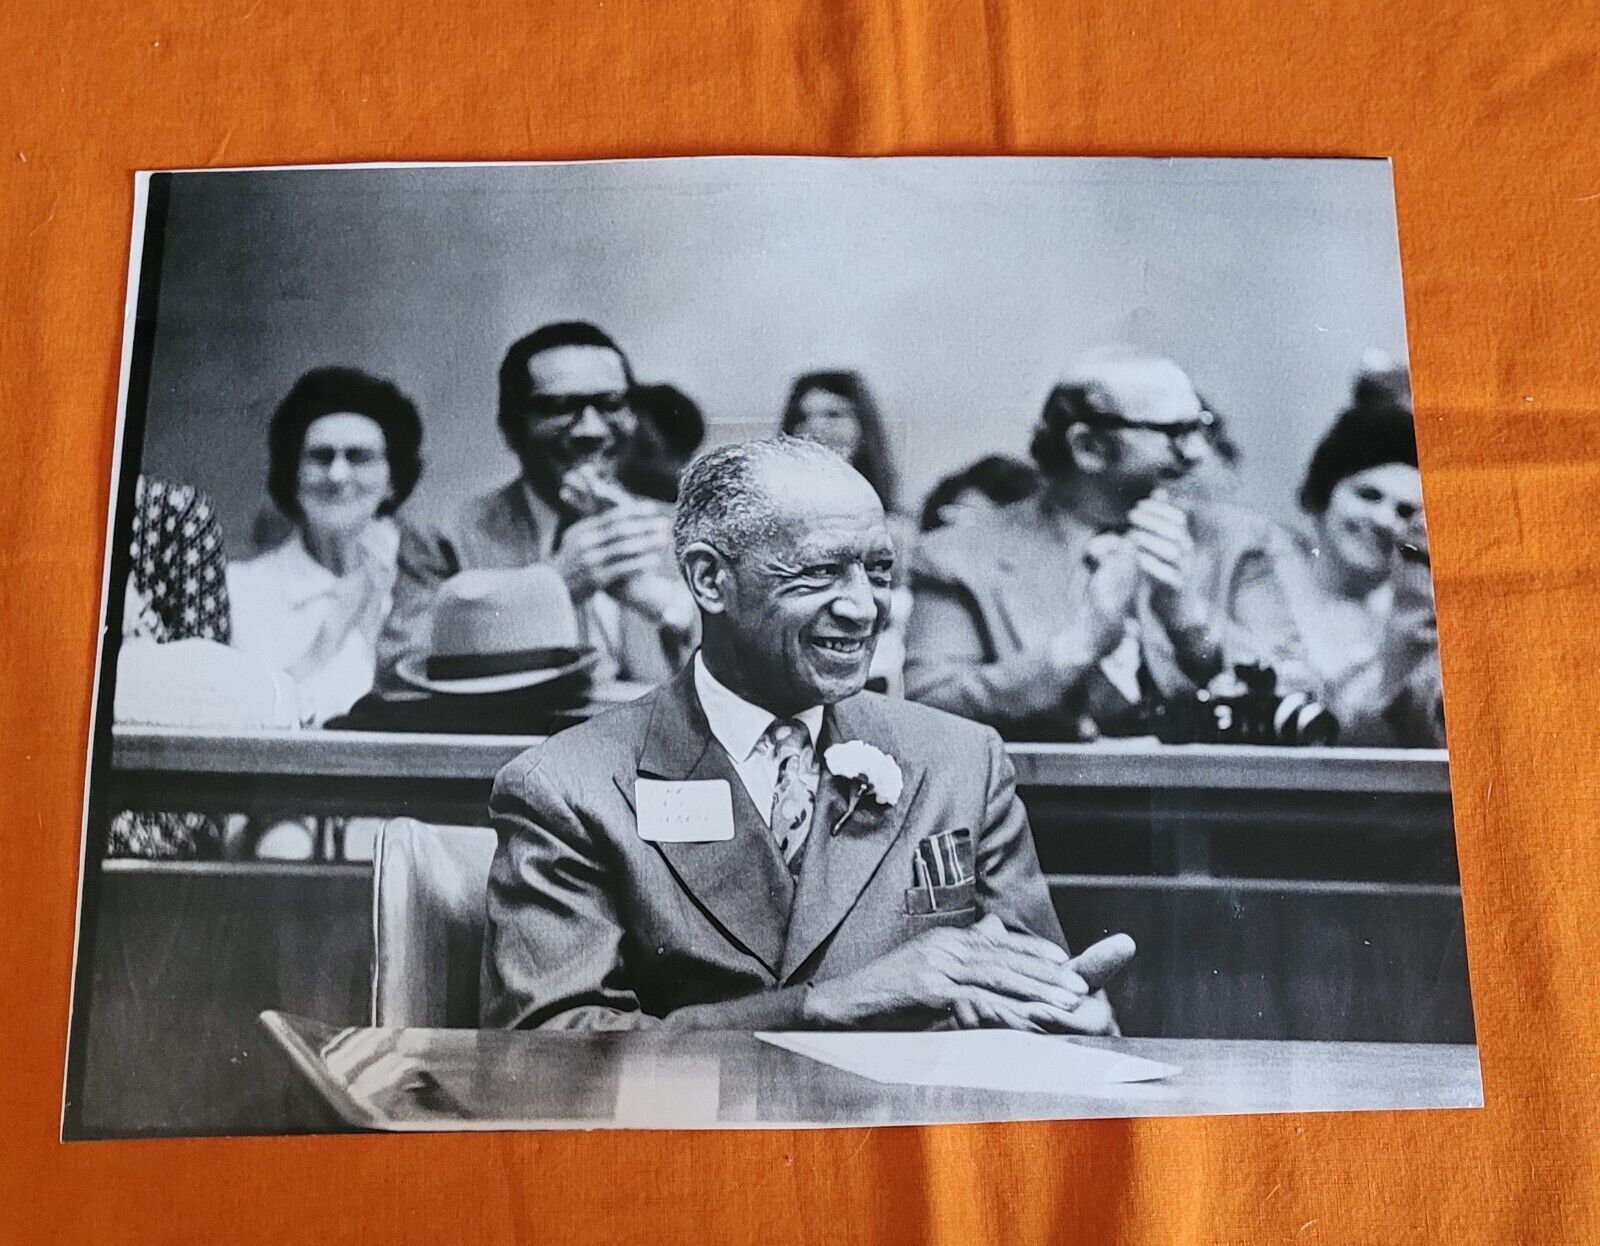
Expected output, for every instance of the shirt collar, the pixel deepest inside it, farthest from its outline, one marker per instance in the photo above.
(737, 724)
(1068, 528)
(300, 576)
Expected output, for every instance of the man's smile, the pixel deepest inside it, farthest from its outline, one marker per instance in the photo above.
(846, 646)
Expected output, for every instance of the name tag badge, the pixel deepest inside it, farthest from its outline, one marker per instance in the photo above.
(691, 812)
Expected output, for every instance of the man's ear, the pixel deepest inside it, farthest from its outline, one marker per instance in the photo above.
(1090, 448)
(709, 577)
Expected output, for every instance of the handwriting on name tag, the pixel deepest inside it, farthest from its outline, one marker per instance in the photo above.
(684, 812)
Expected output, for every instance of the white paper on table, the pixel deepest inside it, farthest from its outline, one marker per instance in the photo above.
(976, 1059)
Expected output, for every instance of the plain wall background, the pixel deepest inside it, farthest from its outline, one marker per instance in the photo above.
(961, 289)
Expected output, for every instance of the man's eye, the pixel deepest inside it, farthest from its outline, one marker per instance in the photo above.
(821, 571)
(881, 571)
(1369, 495)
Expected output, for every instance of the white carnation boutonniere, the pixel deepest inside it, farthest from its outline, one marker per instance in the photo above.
(871, 773)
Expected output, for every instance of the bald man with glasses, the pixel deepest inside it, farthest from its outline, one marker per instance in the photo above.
(1067, 615)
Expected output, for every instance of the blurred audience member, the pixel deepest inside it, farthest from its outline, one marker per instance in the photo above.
(1358, 581)
(837, 409)
(1071, 613)
(566, 411)
(977, 491)
(671, 429)
(1383, 381)
(344, 451)
(176, 590)
(1215, 478)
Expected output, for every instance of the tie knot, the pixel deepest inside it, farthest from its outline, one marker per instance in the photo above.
(789, 736)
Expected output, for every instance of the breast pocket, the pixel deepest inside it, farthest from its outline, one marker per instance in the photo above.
(954, 905)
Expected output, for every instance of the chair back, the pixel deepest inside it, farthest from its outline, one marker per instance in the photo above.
(429, 889)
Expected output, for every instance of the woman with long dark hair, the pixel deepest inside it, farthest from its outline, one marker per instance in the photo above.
(836, 409)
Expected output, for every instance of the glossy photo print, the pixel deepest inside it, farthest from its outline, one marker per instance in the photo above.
(766, 642)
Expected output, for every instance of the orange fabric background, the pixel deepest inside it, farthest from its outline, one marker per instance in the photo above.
(1490, 115)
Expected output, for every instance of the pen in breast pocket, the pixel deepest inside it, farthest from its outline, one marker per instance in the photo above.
(920, 877)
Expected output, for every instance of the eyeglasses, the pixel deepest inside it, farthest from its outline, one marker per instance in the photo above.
(1176, 431)
(558, 412)
(359, 457)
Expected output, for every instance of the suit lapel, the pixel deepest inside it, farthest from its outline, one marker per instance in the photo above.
(838, 867)
(515, 531)
(741, 883)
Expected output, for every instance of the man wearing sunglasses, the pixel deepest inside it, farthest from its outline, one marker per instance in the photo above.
(565, 411)
(1069, 614)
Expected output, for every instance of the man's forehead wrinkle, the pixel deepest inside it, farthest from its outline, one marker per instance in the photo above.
(843, 543)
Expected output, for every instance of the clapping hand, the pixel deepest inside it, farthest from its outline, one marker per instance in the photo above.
(619, 547)
(360, 602)
(1165, 551)
(603, 553)
(1113, 576)
(1114, 579)
(1162, 543)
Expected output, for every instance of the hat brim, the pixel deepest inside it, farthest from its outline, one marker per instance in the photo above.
(412, 669)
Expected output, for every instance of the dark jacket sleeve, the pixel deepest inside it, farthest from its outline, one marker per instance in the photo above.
(426, 560)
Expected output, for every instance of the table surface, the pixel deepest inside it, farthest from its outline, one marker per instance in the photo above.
(488, 1079)
(1142, 763)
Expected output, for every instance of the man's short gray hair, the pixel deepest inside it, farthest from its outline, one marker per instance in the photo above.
(722, 500)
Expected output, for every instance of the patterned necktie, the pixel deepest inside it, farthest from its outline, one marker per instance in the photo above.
(793, 797)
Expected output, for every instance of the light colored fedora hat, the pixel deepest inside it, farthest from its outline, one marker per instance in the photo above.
(498, 631)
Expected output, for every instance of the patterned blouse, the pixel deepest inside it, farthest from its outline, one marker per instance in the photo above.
(177, 590)
(178, 564)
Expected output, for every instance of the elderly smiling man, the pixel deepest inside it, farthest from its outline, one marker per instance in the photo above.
(760, 844)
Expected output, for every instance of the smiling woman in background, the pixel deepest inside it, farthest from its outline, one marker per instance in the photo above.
(344, 451)
(837, 410)
(1366, 548)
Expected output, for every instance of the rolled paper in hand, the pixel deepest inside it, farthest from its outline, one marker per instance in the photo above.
(1098, 963)
(586, 490)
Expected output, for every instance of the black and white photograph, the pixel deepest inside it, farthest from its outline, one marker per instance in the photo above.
(765, 642)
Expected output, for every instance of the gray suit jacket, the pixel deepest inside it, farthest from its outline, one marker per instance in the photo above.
(989, 598)
(492, 531)
(590, 926)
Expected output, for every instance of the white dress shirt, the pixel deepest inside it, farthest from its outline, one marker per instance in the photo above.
(741, 729)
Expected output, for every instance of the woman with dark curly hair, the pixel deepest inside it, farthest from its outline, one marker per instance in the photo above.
(1358, 580)
(977, 491)
(344, 451)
